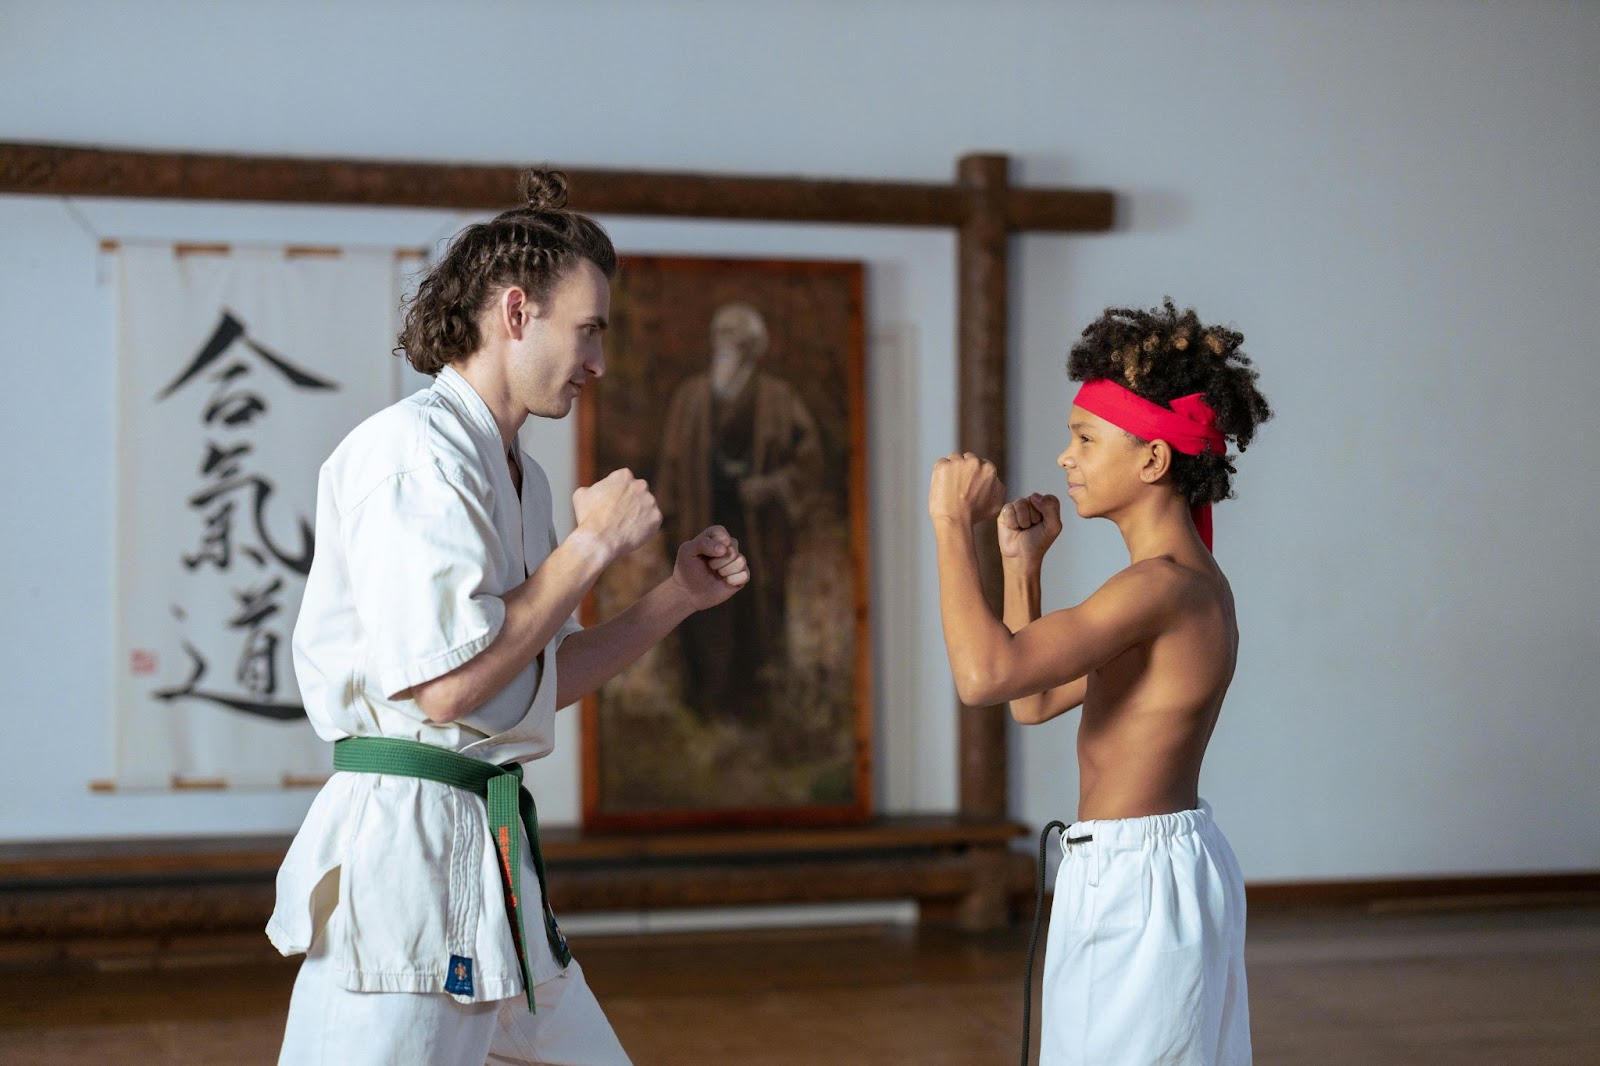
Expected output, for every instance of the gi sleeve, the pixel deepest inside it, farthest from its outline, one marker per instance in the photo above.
(417, 548)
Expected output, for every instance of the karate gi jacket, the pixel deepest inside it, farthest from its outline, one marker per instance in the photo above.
(420, 533)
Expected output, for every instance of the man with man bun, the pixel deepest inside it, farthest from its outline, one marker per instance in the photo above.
(435, 643)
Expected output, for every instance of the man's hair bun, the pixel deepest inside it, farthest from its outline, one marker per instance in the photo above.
(544, 189)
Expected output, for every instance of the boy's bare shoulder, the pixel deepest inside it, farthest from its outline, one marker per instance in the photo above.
(1167, 580)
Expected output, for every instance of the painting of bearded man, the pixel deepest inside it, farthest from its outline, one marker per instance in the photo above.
(735, 389)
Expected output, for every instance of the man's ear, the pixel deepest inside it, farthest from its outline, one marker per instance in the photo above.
(1157, 462)
(513, 311)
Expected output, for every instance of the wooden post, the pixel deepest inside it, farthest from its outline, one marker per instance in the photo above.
(982, 283)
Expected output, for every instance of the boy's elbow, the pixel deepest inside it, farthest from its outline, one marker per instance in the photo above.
(977, 690)
(1023, 713)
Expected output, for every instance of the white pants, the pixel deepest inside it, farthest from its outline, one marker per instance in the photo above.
(332, 1026)
(1145, 958)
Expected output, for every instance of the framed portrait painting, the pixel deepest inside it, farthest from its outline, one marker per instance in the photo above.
(735, 388)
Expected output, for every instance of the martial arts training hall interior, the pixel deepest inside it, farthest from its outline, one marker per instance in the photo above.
(779, 838)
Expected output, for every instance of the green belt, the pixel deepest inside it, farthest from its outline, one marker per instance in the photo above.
(501, 787)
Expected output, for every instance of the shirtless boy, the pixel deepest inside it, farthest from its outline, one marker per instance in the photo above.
(1145, 957)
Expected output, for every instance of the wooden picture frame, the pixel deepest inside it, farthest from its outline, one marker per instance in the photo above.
(736, 388)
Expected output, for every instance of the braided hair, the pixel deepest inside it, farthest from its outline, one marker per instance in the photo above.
(1162, 354)
(531, 246)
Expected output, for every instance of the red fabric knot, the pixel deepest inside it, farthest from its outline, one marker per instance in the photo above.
(1188, 425)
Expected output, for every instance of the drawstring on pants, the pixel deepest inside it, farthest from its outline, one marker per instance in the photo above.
(1033, 940)
(1033, 937)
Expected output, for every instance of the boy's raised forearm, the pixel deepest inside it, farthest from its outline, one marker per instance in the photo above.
(1022, 598)
(1022, 606)
(974, 638)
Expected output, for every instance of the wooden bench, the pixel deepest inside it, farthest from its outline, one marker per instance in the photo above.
(960, 870)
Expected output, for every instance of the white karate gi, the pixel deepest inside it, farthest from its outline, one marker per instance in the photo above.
(1145, 958)
(393, 881)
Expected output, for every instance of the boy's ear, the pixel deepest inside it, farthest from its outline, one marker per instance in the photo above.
(1157, 462)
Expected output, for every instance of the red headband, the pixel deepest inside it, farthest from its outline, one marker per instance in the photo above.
(1188, 424)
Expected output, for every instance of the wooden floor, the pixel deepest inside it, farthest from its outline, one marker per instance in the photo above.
(1458, 988)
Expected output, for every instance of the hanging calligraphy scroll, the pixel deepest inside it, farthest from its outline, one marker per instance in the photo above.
(239, 372)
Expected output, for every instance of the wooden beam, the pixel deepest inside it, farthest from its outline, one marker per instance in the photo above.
(982, 282)
(1060, 210)
(63, 170)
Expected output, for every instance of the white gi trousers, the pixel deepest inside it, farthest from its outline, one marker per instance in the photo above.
(331, 1026)
(1144, 963)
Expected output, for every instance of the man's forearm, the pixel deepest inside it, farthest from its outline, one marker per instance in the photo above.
(534, 611)
(589, 659)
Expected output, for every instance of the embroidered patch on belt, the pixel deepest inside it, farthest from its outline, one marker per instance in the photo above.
(459, 983)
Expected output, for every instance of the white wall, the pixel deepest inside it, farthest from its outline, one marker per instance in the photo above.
(1394, 202)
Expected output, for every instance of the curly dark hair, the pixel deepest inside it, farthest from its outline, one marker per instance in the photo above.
(531, 246)
(1162, 354)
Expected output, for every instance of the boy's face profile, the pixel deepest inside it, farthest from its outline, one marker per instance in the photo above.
(1102, 465)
